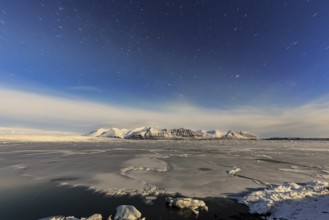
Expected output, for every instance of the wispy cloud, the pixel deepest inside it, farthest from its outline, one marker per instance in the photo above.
(24, 108)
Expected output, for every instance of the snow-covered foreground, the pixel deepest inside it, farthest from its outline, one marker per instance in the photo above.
(192, 168)
(291, 201)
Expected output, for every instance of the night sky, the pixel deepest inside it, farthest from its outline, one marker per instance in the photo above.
(143, 54)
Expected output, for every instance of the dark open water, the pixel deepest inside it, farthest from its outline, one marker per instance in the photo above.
(24, 199)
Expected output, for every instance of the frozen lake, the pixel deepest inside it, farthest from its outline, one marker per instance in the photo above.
(191, 168)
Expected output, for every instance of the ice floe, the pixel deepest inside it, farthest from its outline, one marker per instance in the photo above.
(123, 212)
(127, 212)
(193, 204)
(93, 217)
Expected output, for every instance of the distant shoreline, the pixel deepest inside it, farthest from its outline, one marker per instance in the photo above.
(295, 139)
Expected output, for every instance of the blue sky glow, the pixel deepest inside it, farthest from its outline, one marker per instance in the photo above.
(220, 55)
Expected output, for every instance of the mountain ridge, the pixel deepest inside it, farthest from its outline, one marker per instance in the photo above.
(153, 133)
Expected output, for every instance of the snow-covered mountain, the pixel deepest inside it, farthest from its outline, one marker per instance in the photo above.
(109, 132)
(238, 135)
(168, 134)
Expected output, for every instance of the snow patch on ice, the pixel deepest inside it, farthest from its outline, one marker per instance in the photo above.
(125, 171)
(144, 163)
(233, 171)
(294, 170)
(19, 167)
(117, 185)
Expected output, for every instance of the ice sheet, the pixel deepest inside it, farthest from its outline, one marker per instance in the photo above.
(191, 168)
